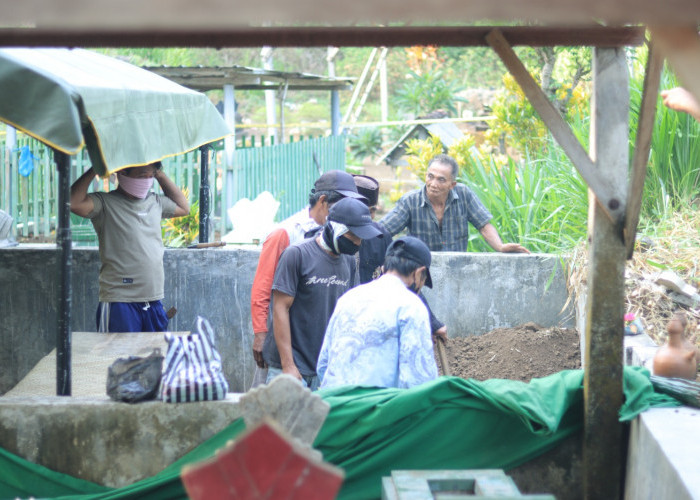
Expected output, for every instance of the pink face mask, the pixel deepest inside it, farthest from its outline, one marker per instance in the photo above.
(135, 186)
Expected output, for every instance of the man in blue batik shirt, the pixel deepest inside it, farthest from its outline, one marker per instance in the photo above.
(379, 333)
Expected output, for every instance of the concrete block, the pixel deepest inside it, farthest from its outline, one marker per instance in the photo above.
(264, 462)
(285, 400)
(106, 442)
(426, 485)
(662, 461)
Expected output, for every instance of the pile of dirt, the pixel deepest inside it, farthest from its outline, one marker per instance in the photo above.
(521, 353)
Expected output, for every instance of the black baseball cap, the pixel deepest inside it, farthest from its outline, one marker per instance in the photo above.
(368, 187)
(355, 216)
(339, 181)
(411, 248)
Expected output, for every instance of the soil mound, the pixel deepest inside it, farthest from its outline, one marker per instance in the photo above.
(521, 353)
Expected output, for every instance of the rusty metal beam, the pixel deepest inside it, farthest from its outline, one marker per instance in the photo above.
(604, 461)
(322, 36)
(645, 128)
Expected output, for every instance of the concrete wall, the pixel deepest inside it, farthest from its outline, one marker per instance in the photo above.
(473, 294)
(662, 462)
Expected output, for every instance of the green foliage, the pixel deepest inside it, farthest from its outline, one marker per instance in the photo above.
(419, 152)
(430, 91)
(673, 175)
(540, 202)
(365, 141)
(182, 231)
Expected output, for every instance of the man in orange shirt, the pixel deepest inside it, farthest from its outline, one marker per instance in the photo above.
(331, 187)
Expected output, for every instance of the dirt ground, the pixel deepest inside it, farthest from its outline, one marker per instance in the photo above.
(520, 353)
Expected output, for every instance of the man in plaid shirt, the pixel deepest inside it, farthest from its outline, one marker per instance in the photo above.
(439, 212)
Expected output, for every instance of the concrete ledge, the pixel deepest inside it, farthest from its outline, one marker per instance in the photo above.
(473, 293)
(662, 460)
(109, 443)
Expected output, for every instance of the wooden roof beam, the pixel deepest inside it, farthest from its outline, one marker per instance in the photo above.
(323, 36)
(148, 15)
(645, 128)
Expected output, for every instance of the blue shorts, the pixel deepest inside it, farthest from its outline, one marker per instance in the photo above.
(131, 317)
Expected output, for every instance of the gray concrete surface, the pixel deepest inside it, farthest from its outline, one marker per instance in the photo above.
(473, 293)
(114, 444)
(663, 460)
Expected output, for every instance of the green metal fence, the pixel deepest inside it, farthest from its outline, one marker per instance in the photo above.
(285, 170)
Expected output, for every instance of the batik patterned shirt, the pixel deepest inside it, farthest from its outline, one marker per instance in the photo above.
(379, 336)
(414, 213)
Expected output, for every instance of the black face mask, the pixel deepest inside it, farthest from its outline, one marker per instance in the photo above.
(414, 286)
(340, 244)
(346, 246)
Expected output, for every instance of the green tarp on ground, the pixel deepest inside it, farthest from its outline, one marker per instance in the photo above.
(450, 423)
(124, 115)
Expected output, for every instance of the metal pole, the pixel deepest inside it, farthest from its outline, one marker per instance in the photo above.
(64, 245)
(335, 112)
(204, 195)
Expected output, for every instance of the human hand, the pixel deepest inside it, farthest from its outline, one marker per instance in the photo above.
(679, 99)
(258, 342)
(440, 332)
(513, 248)
(292, 370)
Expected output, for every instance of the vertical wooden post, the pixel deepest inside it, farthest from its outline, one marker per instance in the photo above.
(64, 244)
(602, 447)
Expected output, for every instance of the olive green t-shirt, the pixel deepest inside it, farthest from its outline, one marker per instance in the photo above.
(131, 247)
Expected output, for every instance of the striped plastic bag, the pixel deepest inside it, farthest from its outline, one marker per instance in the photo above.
(192, 369)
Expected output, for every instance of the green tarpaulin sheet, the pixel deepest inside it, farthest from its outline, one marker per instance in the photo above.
(124, 115)
(450, 423)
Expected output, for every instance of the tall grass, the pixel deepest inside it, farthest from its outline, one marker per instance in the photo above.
(540, 202)
(673, 175)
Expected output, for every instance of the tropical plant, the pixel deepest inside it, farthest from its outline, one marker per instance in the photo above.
(426, 92)
(419, 152)
(539, 202)
(181, 231)
(365, 141)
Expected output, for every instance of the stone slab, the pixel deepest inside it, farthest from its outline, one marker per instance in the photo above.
(285, 400)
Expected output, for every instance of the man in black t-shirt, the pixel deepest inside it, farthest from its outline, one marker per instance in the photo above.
(309, 279)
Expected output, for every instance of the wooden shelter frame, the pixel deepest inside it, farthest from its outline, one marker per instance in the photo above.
(614, 206)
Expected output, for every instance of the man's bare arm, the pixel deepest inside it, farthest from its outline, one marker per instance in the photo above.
(80, 203)
(283, 331)
(492, 237)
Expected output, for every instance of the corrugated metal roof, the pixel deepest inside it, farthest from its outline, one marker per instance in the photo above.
(203, 78)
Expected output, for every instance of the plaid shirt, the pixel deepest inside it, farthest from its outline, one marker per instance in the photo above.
(414, 213)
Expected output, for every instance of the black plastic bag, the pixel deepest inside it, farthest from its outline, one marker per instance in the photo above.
(135, 379)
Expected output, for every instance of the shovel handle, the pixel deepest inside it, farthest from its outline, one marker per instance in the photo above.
(440, 342)
(208, 245)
